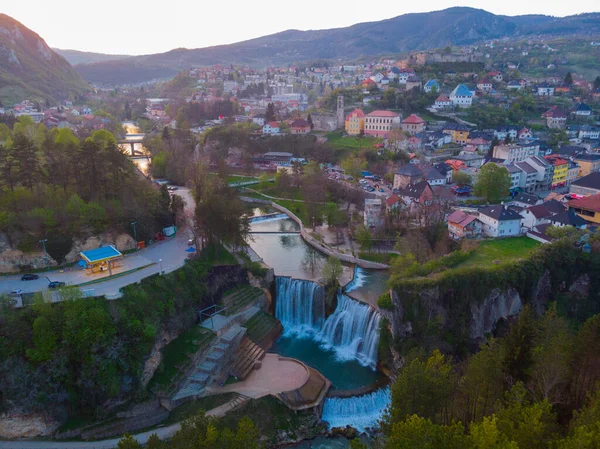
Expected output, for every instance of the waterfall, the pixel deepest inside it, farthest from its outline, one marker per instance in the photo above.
(358, 279)
(300, 305)
(358, 412)
(352, 330)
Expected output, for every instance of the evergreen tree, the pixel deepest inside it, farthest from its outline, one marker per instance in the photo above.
(270, 114)
(597, 83)
(569, 79)
(24, 153)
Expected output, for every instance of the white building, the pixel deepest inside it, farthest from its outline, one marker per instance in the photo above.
(499, 221)
(516, 152)
(271, 129)
(461, 96)
(372, 217)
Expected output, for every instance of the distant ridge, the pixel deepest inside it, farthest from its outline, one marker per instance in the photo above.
(418, 31)
(85, 57)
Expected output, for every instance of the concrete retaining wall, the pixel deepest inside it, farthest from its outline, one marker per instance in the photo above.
(324, 249)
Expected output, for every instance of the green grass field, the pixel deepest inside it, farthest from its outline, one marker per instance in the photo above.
(176, 353)
(386, 258)
(233, 179)
(336, 140)
(502, 250)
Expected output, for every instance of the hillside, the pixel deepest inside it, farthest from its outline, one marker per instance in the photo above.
(29, 69)
(75, 57)
(454, 26)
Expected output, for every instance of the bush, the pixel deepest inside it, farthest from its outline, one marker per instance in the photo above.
(385, 301)
(256, 269)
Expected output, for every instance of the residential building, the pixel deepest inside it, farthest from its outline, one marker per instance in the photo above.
(503, 132)
(413, 82)
(544, 90)
(515, 85)
(515, 152)
(413, 124)
(461, 96)
(555, 117)
(355, 122)
(582, 110)
(500, 221)
(535, 215)
(572, 218)
(435, 178)
(588, 163)
(300, 126)
(461, 224)
(392, 202)
(588, 185)
(406, 175)
(587, 208)
(572, 172)
(278, 157)
(442, 102)
(259, 119)
(570, 151)
(271, 129)
(458, 131)
(416, 195)
(372, 217)
(515, 174)
(528, 178)
(526, 200)
(496, 75)
(380, 123)
(431, 85)
(485, 85)
(561, 168)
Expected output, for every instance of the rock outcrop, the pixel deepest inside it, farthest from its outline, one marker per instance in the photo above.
(26, 425)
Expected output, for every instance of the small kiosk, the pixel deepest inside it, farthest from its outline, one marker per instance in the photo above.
(101, 259)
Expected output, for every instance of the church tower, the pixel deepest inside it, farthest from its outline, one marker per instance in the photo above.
(341, 117)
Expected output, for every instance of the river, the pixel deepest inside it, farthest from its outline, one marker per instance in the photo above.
(142, 158)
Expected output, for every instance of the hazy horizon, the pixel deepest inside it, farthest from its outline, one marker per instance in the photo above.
(151, 27)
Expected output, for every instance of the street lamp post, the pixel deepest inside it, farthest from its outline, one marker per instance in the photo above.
(43, 242)
(161, 268)
(133, 223)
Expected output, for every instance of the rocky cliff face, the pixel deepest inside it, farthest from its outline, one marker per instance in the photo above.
(26, 425)
(480, 315)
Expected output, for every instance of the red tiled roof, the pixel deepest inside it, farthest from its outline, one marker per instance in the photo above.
(357, 112)
(382, 114)
(273, 124)
(443, 97)
(591, 202)
(461, 218)
(413, 119)
(391, 200)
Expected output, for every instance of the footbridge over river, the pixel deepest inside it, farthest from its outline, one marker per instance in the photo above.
(131, 140)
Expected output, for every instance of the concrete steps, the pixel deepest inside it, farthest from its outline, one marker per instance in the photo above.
(246, 358)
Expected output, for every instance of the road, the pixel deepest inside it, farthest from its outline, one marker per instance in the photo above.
(164, 433)
(171, 252)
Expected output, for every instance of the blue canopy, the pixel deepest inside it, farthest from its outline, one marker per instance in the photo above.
(102, 254)
(191, 249)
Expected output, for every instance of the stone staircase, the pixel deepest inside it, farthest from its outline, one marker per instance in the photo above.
(246, 358)
(210, 365)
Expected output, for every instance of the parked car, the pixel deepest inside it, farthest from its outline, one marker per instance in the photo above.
(17, 292)
(172, 188)
(29, 277)
(56, 284)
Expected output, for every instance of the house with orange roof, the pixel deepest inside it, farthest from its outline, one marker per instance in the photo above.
(442, 102)
(355, 122)
(271, 129)
(300, 126)
(413, 124)
(461, 224)
(587, 208)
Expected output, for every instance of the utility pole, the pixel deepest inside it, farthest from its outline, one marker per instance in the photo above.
(43, 242)
(133, 223)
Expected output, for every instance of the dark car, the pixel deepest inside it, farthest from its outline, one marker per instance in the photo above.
(55, 284)
(29, 277)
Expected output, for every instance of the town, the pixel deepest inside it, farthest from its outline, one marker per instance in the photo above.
(378, 251)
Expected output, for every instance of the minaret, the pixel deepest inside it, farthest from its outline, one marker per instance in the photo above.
(341, 118)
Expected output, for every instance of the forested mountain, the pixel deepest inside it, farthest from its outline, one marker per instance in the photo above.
(454, 26)
(86, 57)
(30, 69)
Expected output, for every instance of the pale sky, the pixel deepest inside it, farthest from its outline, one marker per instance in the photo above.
(153, 26)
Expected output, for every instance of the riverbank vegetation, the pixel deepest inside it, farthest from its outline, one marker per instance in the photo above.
(56, 186)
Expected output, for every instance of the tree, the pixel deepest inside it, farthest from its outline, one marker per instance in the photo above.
(597, 83)
(418, 432)
(270, 113)
(364, 238)
(24, 154)
(332, 270)
(568, 79)
(423, 387)
(310, 121)
(415, 243)
(283, 182)
(486, 435)
(354, 166)
(128, 442)
(331, 211)
(493, 183)
(461, 178)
